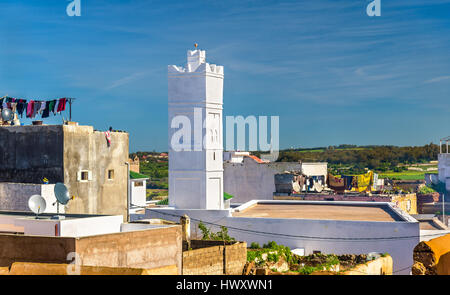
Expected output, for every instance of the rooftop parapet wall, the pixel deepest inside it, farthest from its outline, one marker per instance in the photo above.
(152, 248)
(196, 64)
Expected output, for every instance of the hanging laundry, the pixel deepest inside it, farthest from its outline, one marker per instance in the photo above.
(336, 183)
(21, 106)
(46, 112)
(30, 108)
(62, 104)
(42, 107)
(51, 106)
(37, 106)
(108, 137)
(348, 182)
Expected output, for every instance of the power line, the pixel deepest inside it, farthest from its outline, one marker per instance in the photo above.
(307, 237)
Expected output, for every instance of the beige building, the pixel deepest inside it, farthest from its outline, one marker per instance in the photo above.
(92, 167)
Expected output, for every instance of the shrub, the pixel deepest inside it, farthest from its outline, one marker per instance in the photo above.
(221, 235)
(254, 245)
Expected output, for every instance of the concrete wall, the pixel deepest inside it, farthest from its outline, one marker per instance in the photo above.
(69, 227)
(138, 249)
(150, 249)
(250, 180)
(288, 232)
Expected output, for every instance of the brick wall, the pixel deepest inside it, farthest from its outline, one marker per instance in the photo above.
(235, 258)
(215, 258)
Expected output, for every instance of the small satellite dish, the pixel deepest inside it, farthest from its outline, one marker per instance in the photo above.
(62, 193)
(62, 197)
(37, 204)
(7, 114)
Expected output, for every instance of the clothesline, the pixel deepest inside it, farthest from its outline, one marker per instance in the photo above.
(32, 108)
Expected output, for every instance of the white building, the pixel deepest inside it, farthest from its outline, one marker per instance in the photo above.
(195, 188)
(138, 189)
(444, 162)
(249, 178)
(195, 115)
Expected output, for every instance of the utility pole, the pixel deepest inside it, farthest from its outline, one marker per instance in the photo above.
(128, 191)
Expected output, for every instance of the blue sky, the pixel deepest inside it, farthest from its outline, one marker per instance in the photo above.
(331, 73)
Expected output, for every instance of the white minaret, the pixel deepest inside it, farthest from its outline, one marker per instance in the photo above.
(195, 134)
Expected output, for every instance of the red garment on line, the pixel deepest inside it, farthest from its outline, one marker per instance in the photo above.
(61, 105)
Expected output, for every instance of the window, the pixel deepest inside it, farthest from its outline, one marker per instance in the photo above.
(110, 174)
(84, 175)
(138, 183)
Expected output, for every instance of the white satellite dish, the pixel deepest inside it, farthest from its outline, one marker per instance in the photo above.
(37, 204)
(7, 114)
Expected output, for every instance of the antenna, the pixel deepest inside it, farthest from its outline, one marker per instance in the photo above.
(62, 197)
(37, 204)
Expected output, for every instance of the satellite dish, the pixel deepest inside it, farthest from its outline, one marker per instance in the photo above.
(37, 204)
(62, 193)
(7, 114)
(62, 197)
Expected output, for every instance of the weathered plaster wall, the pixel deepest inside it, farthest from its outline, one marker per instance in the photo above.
(16, 248)
(138, 249)
(87, 150)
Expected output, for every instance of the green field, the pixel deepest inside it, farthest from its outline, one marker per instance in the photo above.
(405, 175)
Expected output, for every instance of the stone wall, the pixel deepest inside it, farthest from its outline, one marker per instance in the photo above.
(215, 258)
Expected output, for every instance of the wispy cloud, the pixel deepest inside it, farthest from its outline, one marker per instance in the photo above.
(125, 80)
(437, 79)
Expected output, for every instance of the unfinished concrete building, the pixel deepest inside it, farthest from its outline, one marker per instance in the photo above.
(91, 164)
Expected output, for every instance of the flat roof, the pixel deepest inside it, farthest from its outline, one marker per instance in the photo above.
(318, 211)
(47, 216)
